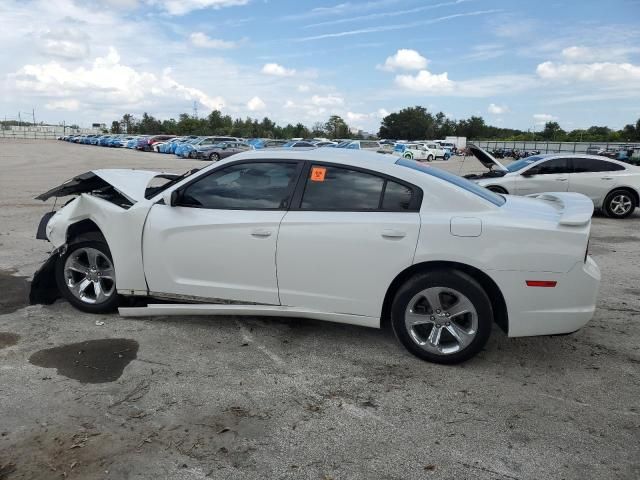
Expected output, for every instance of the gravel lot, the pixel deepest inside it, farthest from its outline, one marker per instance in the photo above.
(225, 397)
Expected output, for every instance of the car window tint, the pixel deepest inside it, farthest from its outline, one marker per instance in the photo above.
(584, 165)
(369, 144)
(396, 196)
(554, 166)
(353, 146)
(248, 186)
(335, 188)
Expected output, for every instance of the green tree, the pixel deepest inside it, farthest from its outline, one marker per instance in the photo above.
(553, 131)
(412, 123)
(336, 127)
(115, 127)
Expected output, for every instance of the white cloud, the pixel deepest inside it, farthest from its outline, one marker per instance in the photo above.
(181, 7)
(277, 70)
(381, 113)
(542, 118)
(65, 43)
(327, 100)
(356, 117)
(610, 53)
(200, 39)
(70, 104)
(405, 59)
(601, 72)
(303, 88)
(497, 109)
(289, 104)
(425, 81)
(107, 81)
(256, 104)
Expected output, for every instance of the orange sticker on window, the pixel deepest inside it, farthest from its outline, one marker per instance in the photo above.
(318, 173)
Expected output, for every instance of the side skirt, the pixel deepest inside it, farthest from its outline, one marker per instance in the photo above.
(258, 310)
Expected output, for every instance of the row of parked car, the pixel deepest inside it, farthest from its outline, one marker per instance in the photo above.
(215, 148)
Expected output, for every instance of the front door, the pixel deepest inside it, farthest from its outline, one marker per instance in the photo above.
(548, 176)
(219, 242)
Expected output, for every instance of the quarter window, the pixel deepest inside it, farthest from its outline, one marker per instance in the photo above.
(585, 165)
(245, 186)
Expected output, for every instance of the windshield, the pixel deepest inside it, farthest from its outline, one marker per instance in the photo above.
(463, 183)
(524, 162)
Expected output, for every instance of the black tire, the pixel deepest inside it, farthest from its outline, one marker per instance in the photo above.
(498, 189)
(214, 157)
(613, 202)
(447, 279)
(429, 158)
(112, 300)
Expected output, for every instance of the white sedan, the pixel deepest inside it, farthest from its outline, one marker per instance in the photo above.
(346, 236)
(613, 186)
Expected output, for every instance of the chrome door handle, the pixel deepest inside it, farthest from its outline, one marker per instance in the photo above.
(261, 232)
(606, 178)
(561, 179)
(389, 233)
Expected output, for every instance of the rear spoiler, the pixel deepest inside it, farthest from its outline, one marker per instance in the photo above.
(575, 209)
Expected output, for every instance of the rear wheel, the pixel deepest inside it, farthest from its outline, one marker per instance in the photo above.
(430, 158)
(86, 278)
(214, 157)
(619, 204)
(443, 316)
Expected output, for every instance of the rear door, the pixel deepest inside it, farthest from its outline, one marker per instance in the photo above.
(593, 178)
(352, 232)
(547, 176)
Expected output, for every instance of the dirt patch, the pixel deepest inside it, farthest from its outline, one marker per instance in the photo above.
(8, 339)
(93, 361)
(15, 292)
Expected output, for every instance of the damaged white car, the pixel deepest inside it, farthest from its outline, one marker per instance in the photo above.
(613, 186)
(351, 237)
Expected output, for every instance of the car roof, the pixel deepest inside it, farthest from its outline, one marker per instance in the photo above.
(577, 155)
(361, 158)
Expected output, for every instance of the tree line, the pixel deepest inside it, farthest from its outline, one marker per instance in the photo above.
(411, 123)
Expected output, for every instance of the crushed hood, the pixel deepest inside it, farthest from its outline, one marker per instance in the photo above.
(132, 184)
(486, 158)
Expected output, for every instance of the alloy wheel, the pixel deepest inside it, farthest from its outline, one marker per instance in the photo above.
(89, 276)
(621, 204)
(441, 320)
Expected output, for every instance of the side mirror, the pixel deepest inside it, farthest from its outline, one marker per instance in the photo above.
(170, 198)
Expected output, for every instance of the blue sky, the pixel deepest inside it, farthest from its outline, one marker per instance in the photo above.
(518, 64)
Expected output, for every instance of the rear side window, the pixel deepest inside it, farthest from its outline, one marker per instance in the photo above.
(585, 165)
(341, 189)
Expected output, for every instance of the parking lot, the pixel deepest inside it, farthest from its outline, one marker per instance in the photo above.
(226, 397)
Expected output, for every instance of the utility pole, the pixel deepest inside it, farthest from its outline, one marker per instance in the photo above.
(33, 113)
(195, 109)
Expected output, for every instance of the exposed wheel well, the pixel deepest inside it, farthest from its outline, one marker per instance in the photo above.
(498, 189)
(633, 193)
(85, 230)
(498, 303)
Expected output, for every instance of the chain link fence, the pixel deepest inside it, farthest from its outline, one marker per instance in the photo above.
(550, 147)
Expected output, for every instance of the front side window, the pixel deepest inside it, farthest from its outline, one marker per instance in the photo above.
(246, 186)
(585, 165)
(353, 146)
(550, 167)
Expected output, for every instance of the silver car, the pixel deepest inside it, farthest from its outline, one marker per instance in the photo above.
(613, 186)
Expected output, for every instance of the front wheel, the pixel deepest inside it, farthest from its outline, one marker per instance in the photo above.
(430, 158)
(86, 278)
(443, 316)
(619, 204)
(214, 157)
